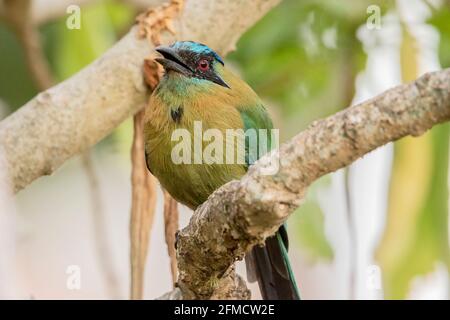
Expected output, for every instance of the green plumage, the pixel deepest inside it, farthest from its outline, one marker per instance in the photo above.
(186, 96)
(256, 117)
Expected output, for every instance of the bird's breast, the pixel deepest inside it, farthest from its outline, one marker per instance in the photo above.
(180, 137)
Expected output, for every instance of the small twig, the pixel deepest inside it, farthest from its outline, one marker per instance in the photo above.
(349, 79)
(154, 21)
(170, 228)
(99, 221)
(104, 253)
(352, 236)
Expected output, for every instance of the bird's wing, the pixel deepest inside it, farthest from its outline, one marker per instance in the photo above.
(256, 117)
(147, 161)
(269, 265)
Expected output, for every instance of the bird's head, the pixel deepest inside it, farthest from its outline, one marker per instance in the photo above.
(192, 60)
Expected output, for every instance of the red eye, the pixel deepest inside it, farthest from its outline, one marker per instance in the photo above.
(203, 65)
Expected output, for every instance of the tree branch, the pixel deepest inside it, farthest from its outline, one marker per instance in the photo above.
(243, 213)
(18, 14)
(77, 113)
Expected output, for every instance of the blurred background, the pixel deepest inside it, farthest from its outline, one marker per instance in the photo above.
(375, 230)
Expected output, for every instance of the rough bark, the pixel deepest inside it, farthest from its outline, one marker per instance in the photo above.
(72, 116)
(243, 213)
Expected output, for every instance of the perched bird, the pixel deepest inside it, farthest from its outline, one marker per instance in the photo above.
(196, 87)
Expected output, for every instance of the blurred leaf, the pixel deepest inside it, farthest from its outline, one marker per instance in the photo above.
(16, 85)
(306, 226)
(304, 57)
(416, 234)
(441, 21)
(71, 50)
(121, 15)
(409, 56)
(300, 57)
(67, 50)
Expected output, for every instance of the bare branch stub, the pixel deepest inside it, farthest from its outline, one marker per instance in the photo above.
(153, 22)
(170, 228)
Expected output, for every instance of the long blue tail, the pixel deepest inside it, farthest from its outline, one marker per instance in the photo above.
(269, 265)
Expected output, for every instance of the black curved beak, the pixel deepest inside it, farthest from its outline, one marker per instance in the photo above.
(172, 61)
(216, 79)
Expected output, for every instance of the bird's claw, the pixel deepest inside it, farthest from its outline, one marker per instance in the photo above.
(177, 235)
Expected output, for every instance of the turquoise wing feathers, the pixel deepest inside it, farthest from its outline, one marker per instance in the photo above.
(256, 118)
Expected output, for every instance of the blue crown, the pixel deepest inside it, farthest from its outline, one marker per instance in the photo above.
(197, 48)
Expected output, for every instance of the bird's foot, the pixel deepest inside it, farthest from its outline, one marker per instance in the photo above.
(177, 235)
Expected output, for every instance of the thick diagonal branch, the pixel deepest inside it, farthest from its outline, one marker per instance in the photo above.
(72, 116)
(243, 213)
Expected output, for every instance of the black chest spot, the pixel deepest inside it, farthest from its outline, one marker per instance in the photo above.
(177, 114)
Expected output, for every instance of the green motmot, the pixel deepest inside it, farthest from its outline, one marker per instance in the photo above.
(196, 87)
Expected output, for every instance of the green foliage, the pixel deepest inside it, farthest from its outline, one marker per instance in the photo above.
(67, 50)
(441, 21)
(306, 226)
(310, 47)
(72, 49)
(13, 71)
(304, 57)
(416, 235)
